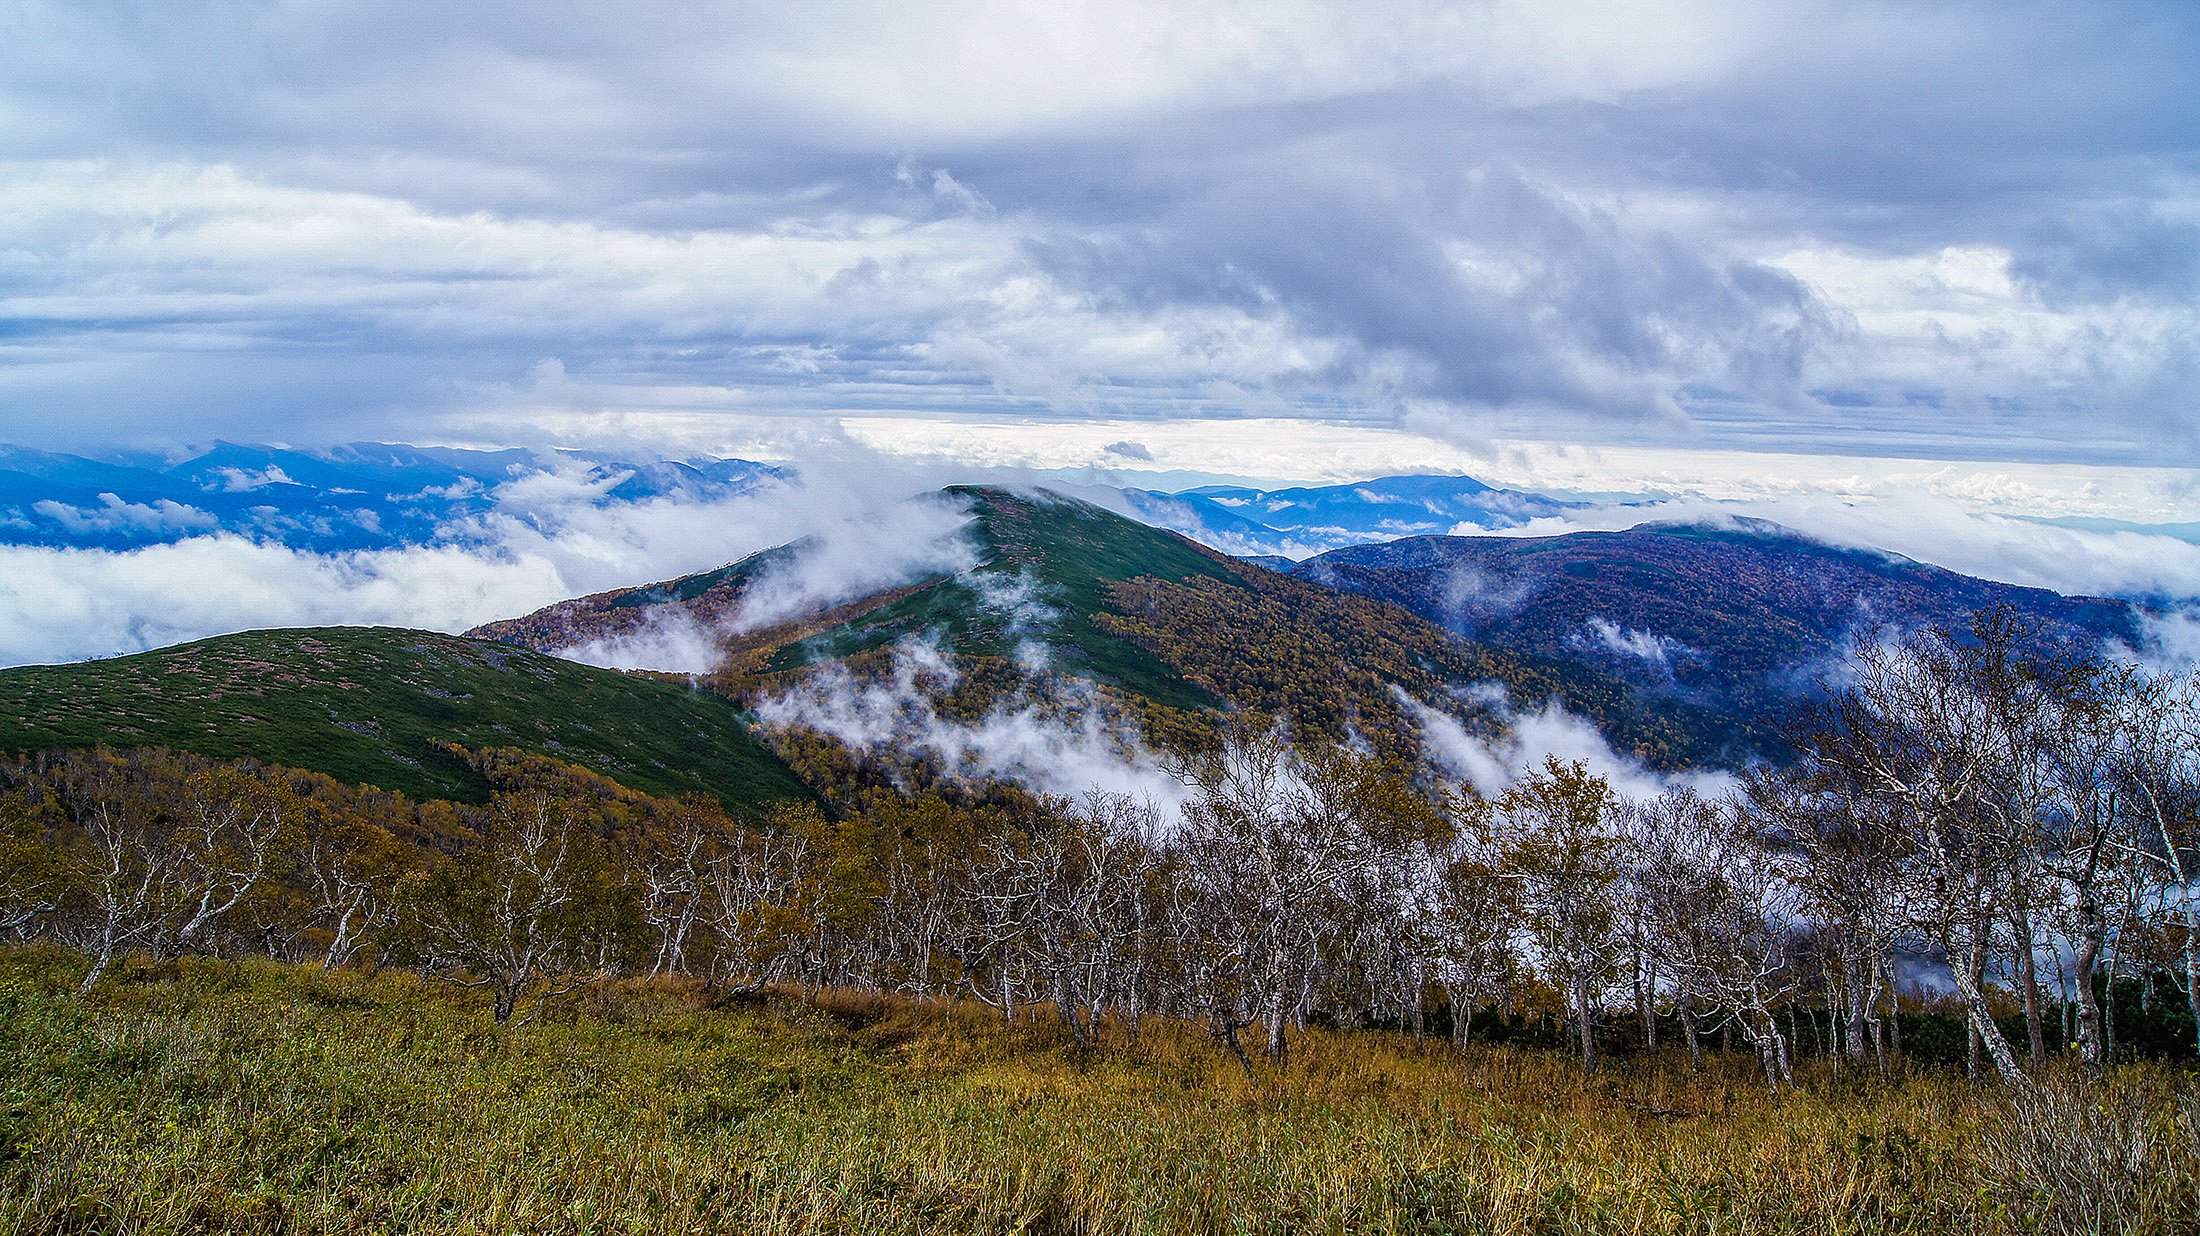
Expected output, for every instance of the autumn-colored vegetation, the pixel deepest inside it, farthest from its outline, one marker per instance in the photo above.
(1322, 985)
(1736, 619)
(202, 1095)
(1167, 627)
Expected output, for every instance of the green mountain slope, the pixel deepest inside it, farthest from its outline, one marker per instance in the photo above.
(1146, 613)
(1072, 557)
(370, 705)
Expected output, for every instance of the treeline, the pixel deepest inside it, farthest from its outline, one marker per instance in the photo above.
(2017, 826)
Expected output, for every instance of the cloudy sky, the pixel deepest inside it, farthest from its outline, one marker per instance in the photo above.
(1873, 231)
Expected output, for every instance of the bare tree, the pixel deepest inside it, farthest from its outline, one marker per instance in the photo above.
(1847, 863)
(1246, 915)
(162, 853)
(1468, 912)
(1726, 902)
(1057, 908)
(1275, 846)
(676, 857)
(1929, 733)
(2086, 825)
(350, 869)
(2157, 778)
(760, 895)
(514, 910)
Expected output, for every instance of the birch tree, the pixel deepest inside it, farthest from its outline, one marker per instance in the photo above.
(1920, 735)
(1566, 859)
(162, 849)
(514, 911)
(2157, 777)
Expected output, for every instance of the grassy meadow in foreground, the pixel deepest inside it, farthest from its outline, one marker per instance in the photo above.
(206, 1095)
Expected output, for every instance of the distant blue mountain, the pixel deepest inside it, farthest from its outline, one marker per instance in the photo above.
(1742, 618)
(374, 495)
(1307, 520)
(359, 496)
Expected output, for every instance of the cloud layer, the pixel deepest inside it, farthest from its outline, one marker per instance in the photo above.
(1881, 228)
(1062, 742)
(1491, 765)
(546, 537)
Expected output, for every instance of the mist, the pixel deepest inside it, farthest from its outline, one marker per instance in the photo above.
(549, 537)
(1493, 765)
(1062, 740)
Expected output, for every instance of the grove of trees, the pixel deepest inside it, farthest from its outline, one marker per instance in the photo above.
(1971, 821)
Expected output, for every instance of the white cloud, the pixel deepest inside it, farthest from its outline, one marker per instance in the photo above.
(1492, 765)
(1026, 616)
(1479, 217)
(1273, 451)
(546, 540)
(235, 252)
(68, 605)
(2169, 642)
(858, 556)
(1066, 744)
(160, 517)
(994, 68)
(669, 639)
(1647, 646)
(1957, 322)
(242, 480)
(1469, 590)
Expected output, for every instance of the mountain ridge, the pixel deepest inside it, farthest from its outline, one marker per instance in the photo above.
(1734, 615)
(376, 706)
(1138, 610)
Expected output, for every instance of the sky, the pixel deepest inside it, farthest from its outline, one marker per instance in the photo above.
(1207, 239)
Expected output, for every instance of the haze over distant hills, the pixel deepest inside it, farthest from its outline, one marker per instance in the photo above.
(1308, 519)
(1025, 634)
(1718, 614)
(364, 495)
(380, 495)
(1683, 643)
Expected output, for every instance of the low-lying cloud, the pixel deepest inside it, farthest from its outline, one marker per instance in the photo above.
(669, 640)
(1492, 765)
(1935, 530)
(871, 551)
(1646, 646)
(549, 537)
(1065, 742)
(852, 557)
(163, 516)
(2169, 642)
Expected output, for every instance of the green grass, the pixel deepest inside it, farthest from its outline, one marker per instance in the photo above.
(369, 706)
(209, 1095)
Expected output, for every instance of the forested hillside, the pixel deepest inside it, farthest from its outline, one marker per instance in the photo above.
(1978, 858)
(1743, 620)
(380, 706)
(1147, 614)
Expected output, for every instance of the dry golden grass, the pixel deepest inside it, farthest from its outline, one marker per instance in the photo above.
(254, 1097)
